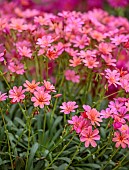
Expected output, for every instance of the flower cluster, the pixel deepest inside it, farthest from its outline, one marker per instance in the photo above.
(118, 112)
(40, 94)
(84, 124)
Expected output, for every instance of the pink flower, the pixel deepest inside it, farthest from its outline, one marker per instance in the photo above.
(31, 86)
(118, 39)
(88, 136)
(71, 76)
(52, 54)
(97, 35)
(109, 60)
(68, 107)
(79, 123)
(125, 82)
(90, 62)
(41, 98)
(17, 24)
(1, 57)
(45, 41)
(81, 42)
(75, 61)
(17, 68)
(121, 139)
(3, 96)
(24, 51)
(49, 87)
(71, 52)
(106, 113)
(16, 94)
(117, 125)
(94, 116)
(105, 48)
(113, 77)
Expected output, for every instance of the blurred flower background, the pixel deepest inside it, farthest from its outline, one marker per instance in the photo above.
(79, 5)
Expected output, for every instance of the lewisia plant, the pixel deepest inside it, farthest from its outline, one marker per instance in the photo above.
(64, 90)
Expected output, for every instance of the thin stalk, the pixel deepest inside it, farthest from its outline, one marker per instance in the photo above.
(60, 140)
(85, 158)
(37, 68)
(5, 79)
(47, 68)
(9, 146)
(77, 150)
(54, 108)
(44, 125)
(19, 138)
(65, 146)
(110, 158)
(29, 140)
(119, 164)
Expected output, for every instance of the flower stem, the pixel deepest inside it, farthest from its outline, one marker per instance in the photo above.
(77, 150)
(65, 146)
(113, 154)
(9, 146)
(29, 139)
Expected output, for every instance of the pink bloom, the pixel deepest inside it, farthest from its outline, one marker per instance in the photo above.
(75, 61)
(71, 52)
(40, 20)
(17, 24)
(124, 129)
(16, 94)
(17, 67)
(1, 57)
(97, 35)
(81, 42)
(125, 82)
(68, 107)
(117, 125)
(115, 106)
(87, 54)
(113, 77)
(94, 116)
(3, 96)
(118, 39)
(106, 113)
(31, 86)
(105, 48)
(87, 108)
(90, 62)
(88, 136)
(45, 41)
(121, 139)
(41, 98)
(52, 54)
(49, 87)
(109, 60)
(24, 51)
(71, 76)
(79, 123)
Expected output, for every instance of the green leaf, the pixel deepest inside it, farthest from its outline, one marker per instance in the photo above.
(31, 157)
(62, 167)
(92, 165)
(20, 121)
(65, 159)
(103, 132)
